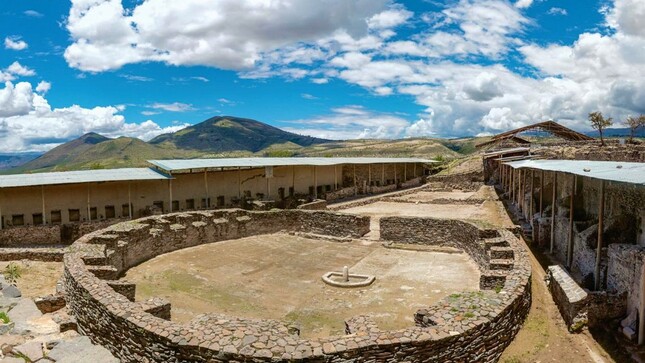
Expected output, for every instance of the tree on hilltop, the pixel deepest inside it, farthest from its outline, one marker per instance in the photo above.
(598, 122)
(634, 123)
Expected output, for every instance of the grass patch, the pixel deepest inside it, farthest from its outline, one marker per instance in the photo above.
(4, 318)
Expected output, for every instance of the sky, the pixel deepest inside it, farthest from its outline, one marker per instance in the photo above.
(337, 69)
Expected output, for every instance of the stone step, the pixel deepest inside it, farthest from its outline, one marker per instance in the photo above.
(95, 260)
(495, 242)
(501, 253)
(105, 272)
(501, 264)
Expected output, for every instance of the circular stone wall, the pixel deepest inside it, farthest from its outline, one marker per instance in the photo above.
(474, 326)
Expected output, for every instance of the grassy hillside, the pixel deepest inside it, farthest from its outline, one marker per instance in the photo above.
(226, 133)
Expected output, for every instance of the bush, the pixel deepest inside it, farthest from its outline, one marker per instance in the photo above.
(12, 273)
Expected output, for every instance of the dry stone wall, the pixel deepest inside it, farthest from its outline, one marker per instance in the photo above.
(473, 327)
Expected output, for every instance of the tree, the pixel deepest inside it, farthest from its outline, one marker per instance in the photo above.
(634, 123)
(598, 122)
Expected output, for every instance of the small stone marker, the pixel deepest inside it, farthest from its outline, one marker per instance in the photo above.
(345, 273)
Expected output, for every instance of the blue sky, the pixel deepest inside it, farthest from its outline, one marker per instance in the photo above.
(333, 68)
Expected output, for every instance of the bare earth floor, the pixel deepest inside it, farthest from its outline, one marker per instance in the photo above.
(37, 278)
(279, 277)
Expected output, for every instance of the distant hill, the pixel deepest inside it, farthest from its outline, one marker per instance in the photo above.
(617, 132)
(227, 133)
(228, 137)
(12, 160)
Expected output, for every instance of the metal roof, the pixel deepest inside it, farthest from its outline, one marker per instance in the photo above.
(174, 165)
(506, 151)
(81, 176)
(618, 171)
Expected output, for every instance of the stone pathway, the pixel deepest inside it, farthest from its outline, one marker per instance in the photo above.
(32, 336)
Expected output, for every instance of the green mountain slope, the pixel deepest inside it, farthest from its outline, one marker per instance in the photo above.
(65, 153)
(227, 133)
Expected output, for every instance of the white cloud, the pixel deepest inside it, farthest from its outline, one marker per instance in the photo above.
(28, 123)
(389, 19)
(351, 122)
(33, 13)
(308, 96)
(172, 107)
(558, 11)
(15, 43)
(43, 87)
(19, 70)
(523, 4)
(107, 36)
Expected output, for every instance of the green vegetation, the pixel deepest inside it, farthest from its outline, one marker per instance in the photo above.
(634, 124)
(598, 122)
(12, 273)
(4, 319)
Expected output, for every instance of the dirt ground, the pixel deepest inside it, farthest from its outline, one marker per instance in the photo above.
(37, 278)
(256, 277)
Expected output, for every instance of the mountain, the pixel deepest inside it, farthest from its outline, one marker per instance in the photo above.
(62, 154)
(8, 161)
(617, 132)
(227, 133)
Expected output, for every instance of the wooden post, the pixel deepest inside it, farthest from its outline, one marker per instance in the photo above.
(541, 191)
(335, 177)
(520, 196)
(383, 174)
(553, 207)
(293, 178)
(315, 184)
(129, 201)
(641, 307)
(89, 214)
(355, 189)
(601, 212)
(405, 172)
(395, 183)
(206, 187)
(570, 244)
(170, 194)
(239, 182)
(531, 199)
(369, 175)
(42, 193)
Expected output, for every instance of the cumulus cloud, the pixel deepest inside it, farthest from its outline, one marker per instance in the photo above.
(107, 36)
(43, 87)
(18, 69)
(29, 123)
(15, 43)
(523, 4)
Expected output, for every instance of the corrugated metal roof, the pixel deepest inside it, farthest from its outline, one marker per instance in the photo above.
(618, 171)
(81, 176)
(506, 151)
(174, 165)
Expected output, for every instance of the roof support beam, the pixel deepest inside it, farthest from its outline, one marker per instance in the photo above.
(42, 193)
(570, 244)
(89, 209)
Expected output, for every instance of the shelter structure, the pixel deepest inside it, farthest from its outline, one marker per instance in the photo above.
(550, 127)
(590, 216)
(181, 185)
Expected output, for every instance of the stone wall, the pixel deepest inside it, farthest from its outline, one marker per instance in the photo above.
(56, 234)
(318, 204)
(471, 181)
(484, 322)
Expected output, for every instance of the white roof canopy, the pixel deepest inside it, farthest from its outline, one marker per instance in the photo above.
(80, 176)
(626, 172)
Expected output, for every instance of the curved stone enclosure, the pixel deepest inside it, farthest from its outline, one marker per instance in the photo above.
(472, 327)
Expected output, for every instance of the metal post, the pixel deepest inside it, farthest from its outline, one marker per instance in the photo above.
(206, 187)
(293, 178)
(89, 214)
(129, 201)
(395, 183)
(405, 172)
(520, 196)
(531, 199)
(369, 174)
(570, 245)
(553, 207)
(601, 212)
(42, 193)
